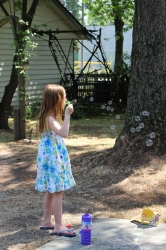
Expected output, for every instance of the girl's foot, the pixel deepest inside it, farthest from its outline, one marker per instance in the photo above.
(63, 231)
(47, 226)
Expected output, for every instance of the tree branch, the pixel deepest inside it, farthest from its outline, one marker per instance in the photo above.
(31, 11)
(10, 19)
(4, 10)
(24, 10)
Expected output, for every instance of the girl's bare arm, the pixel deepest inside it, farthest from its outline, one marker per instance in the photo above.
(63, 130)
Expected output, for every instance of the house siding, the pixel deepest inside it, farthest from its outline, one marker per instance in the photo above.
(108, 44)
(43, 69)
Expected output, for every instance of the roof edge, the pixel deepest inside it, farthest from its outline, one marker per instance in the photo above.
(73, 19)
(69, 15)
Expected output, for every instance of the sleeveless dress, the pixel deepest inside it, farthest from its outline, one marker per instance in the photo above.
(53, 164)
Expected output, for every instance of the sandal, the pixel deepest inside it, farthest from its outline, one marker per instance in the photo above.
(66, 233)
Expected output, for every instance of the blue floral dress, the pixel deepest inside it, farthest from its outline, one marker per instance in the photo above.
(53, 164)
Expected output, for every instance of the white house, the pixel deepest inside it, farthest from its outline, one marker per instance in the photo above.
(108, 44)
(43, 69)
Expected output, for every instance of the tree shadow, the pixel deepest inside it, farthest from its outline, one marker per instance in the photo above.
(99, 190)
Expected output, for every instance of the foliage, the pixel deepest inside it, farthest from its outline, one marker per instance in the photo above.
(102, 12)
(74, 7)
(26, 51)
(79, 111)
(124, 66)
(32, 107)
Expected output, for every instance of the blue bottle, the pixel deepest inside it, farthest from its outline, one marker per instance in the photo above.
(86, 230)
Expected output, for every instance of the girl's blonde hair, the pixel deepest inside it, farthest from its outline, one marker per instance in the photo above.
(52, 104)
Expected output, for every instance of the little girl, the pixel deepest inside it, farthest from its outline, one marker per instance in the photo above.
(54, 174)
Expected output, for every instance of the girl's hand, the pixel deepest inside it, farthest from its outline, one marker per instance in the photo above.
(63, 130)
(69, 110)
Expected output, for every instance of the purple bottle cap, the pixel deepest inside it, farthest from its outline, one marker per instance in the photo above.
(86, 217)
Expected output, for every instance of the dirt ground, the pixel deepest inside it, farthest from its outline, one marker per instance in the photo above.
(103, 191)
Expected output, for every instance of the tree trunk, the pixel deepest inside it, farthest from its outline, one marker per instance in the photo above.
(119, 43)
(7, 96)
(118, 52)
(146, 112)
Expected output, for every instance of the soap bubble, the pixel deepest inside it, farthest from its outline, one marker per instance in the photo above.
(117, 116)
(152, 135)
(110, 102)
(137, 118)
(103, 106)
(112, 127)
(108, 108)
(73, 101)
(138, 129)
(141, 125)
(149, 142)
(145, 113)
(91, 99)
(112, 109)
(122, 137)
(132, 130)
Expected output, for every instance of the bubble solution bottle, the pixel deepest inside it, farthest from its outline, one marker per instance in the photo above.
(86, 230)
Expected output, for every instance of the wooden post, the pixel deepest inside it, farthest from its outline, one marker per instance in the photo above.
(21, 86)
(16, 124)
(22, 106)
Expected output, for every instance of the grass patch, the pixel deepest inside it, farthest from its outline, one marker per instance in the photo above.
(95, 124)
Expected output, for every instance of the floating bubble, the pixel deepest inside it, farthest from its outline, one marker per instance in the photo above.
(108, 108)
(132, 130)
(91, 99)
(112, 109)
(149, 142)
(83, 97)
(117, 116)
(122, 137)
(103, 106)
(138, 129)
(112, 127)
(145, 113)
(110, 102)
(73, 101)
(152, 135)
(141, 125)
(137, 118)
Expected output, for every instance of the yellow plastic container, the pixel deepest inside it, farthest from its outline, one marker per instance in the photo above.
(149, 217)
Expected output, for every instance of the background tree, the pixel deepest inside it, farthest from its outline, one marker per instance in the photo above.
(117, 12)
(145, 124)
(20, 24)
(74, 7)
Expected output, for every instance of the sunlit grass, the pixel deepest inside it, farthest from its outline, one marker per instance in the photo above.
(96, 124)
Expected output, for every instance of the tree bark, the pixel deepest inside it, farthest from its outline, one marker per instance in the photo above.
(119, 43)
(147, 89)
(8, 95)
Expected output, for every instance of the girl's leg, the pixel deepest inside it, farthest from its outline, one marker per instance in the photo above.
(57, 210)
(48, 197)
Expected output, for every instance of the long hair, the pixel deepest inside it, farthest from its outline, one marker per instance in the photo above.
(52, 104)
